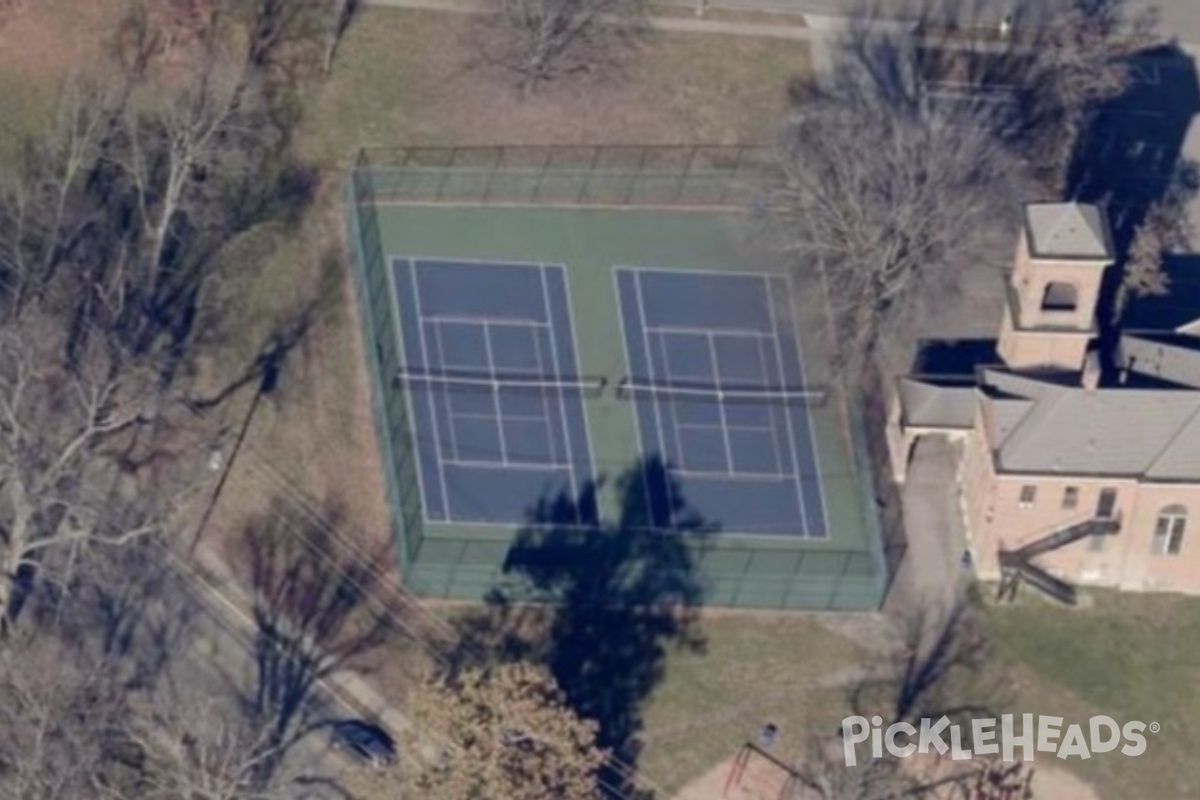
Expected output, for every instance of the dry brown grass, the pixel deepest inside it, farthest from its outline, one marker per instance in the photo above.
(402, 77)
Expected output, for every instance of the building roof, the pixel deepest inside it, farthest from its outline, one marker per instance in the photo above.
(1169, 357)
(1067, 230)
(932, 403)
(1153, 433)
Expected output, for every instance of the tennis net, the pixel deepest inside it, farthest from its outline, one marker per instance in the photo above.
(496, 382)
(805, 396)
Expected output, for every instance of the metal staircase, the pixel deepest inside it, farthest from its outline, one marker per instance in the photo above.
(1017, 565)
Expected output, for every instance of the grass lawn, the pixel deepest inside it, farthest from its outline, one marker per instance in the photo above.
(753, 670)
(1131, 657)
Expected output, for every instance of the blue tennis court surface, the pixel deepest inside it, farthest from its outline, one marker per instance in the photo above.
(749, 467)
(488, 446)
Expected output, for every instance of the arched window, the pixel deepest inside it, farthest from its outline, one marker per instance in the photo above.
(1060, 296)
(1168, 530)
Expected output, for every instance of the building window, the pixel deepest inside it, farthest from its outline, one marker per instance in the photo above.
(1070, 497)
(1096, 542)
(1106, 506)
(1028, 495)
(1060, 296)
(1168, 531)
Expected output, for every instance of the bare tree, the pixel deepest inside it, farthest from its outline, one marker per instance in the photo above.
(505, 733)
(881, 189)
(1165, 228)
(57, 716)
(202, 749)
(57, 487)
(938, 669)
(537, 42)
(110, 228)
(316, 611)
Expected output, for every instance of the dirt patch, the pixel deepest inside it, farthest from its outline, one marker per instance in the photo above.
(46, 40)
(762, 780)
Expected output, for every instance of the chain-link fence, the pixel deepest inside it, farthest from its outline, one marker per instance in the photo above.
(716, 177)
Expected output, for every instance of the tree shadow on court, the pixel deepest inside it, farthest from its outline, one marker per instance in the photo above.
(601, 606)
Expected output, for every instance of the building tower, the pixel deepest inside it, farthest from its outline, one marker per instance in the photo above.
(1050, 313)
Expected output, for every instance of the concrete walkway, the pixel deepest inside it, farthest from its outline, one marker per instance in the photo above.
(931, 579)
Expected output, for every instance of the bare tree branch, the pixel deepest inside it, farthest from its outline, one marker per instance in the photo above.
(537, 42)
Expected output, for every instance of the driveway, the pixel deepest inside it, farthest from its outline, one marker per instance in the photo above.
(931, 579)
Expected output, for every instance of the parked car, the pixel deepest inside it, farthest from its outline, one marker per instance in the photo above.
(364, 741)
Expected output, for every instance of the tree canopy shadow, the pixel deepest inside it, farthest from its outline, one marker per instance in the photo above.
(601, 606)
(1131, 158)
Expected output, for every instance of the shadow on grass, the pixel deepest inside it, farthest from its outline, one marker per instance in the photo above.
(600, 606)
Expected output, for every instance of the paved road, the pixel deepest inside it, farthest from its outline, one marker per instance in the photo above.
(218, 654)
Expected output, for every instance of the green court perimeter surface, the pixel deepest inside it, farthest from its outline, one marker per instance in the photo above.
(845, 571)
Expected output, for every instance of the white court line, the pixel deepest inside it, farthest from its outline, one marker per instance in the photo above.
(487, 340)
(708, 272)
(789, 293)
(562, 409)
(625, 347)
(579, 372)
(741, 333)
(787, 416)
(749, 477)
(398, 326)
(463, 319)
(437, 442)
(773, 413)
(437, 330)
(662, 348)
(528, 466)
(637, 283)
(712, 355)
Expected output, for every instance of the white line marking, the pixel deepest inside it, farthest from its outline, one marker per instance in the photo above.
(487, 340)
(787, 415)
(637, 417)
(773, 413)
(437, 330)
(637, 284)
(569, 302)
(789, 293)
(712, 353)
(465, 319)
(662, 348)
(562, 409)
(437, 442)
(389, 386)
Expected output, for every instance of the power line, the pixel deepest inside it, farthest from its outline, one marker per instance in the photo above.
(298, 498)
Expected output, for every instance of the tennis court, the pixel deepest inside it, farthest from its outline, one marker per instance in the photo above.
(597, 355)
(494, 387)
(718, 382)
(712, 369)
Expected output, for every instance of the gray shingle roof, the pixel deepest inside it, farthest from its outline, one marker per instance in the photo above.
(1169, 357)
(929, 404)
(1120, 431)
(1066, 230)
